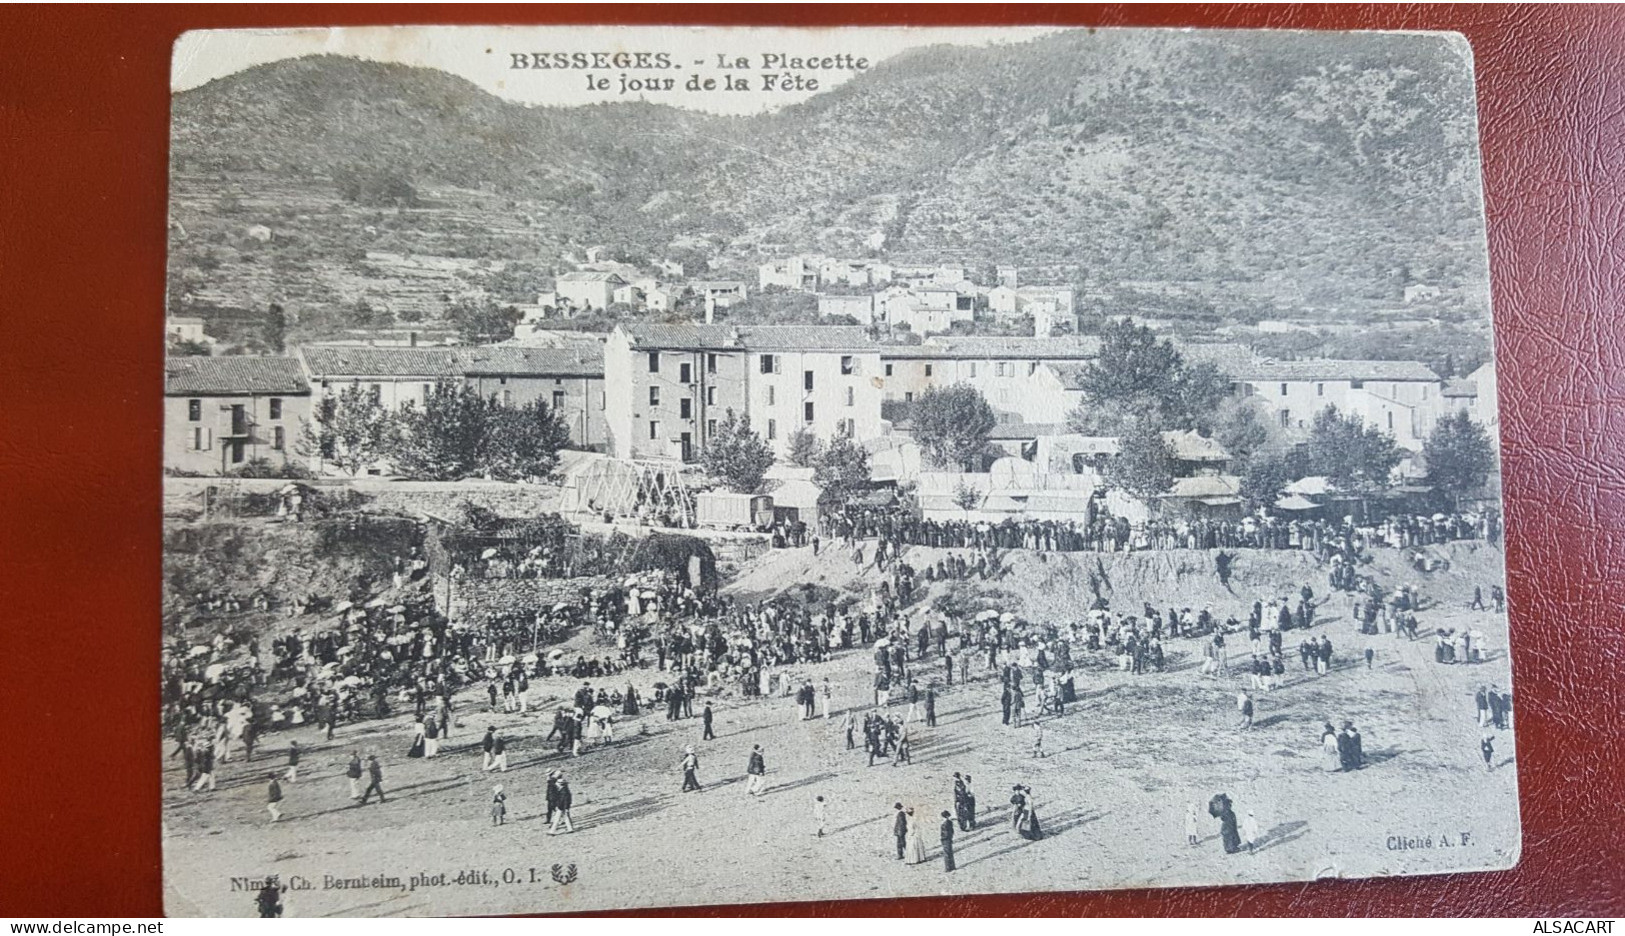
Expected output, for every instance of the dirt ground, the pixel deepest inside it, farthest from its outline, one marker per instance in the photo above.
(1122, 767)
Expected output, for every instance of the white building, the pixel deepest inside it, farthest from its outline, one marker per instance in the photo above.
(586, 289)
(668, 386)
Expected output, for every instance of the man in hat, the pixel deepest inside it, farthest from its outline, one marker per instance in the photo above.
(293, 761)
(561, 803)
(487, 744)
(899, 828)
(353, 772)
(691, 770)
(756, 771)
(946, 834)
(375, 775)
(273, 798)
(552, 794)
(499, 755)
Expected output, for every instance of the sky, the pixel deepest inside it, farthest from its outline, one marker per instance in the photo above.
(485, 56)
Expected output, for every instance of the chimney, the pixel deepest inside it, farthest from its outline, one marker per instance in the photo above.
(412, 339)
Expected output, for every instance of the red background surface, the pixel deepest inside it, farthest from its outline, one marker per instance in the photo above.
(83, 150)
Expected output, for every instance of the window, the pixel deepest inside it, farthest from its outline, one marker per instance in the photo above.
(1390, 421)
(772, 428)
(507, 398)
(772, 397)
(710, 363)
(710, 396)
(276, 407)
(848, 366)
(973, 370)
(927, 370)
(1286, 419)
(654, 362)
(851, 396)
(685, 408)
(654, 428)
(710, 427)
(1356, 385)
(427, 389)
(603, 399)
(654, 396)
(888, 370)
(685, 373)
(503, 381)
(770, 364)
(278, 439)
(1320, 389)
(1283, 389)
(199, 439)
(377, 392)
(806, 380)
(1246, 389)
(236, 451)
(807, 412)
(908, 396)
(194, 410)
(558, 400)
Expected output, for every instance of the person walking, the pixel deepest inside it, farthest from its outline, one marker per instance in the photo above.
(1038, 739)
(691, 770)
(1244, 705)
(820, 815)
(499, 756)
(205, 768)
(1486, 747)
(552, 795)
(1190, 824)
(293, 762)
(756, 772)
(273, 798)
(930, 707)
(945, 833)
(562, 801)
(824, 693)
(899, 829)
(268, 902)
(375, 780)
(705, 719)
(353, 773)
(849, 726)
(487, 744)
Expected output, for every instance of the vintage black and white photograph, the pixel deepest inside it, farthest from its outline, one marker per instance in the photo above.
(619, 467)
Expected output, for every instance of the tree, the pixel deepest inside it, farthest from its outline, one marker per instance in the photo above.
(443, 440)
(952, 424)
(182, 347)
(1144, 463)
(1137, 374)
(804, 448)
(353, 430)
(482, 321)
(966, 497)
(737, 455)
(1264, 476)
(1240, 431)
(1353, 456)
(522, 441)
(841, 471)
(1460, 456)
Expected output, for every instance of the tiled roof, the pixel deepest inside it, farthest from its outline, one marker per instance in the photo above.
(381, 362)
(753, 337)
(1334, 370)
(1079, 347)
(233, 374)
(506, 360)
(579, 360)
(588, 276)
(1461, 387)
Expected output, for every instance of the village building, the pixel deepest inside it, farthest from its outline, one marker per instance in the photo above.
(668, 386)
(1402, 398)
(1003, 369)
(718, 293)
(1476, 395)
(569, 379)
(186, 328)
(220, 413)
(587, 289)
(789, 273)
(860, 307)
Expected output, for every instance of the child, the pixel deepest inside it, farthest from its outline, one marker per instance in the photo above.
(1487, 748)
(1190, 823)
(820, 815)
(499, 806)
